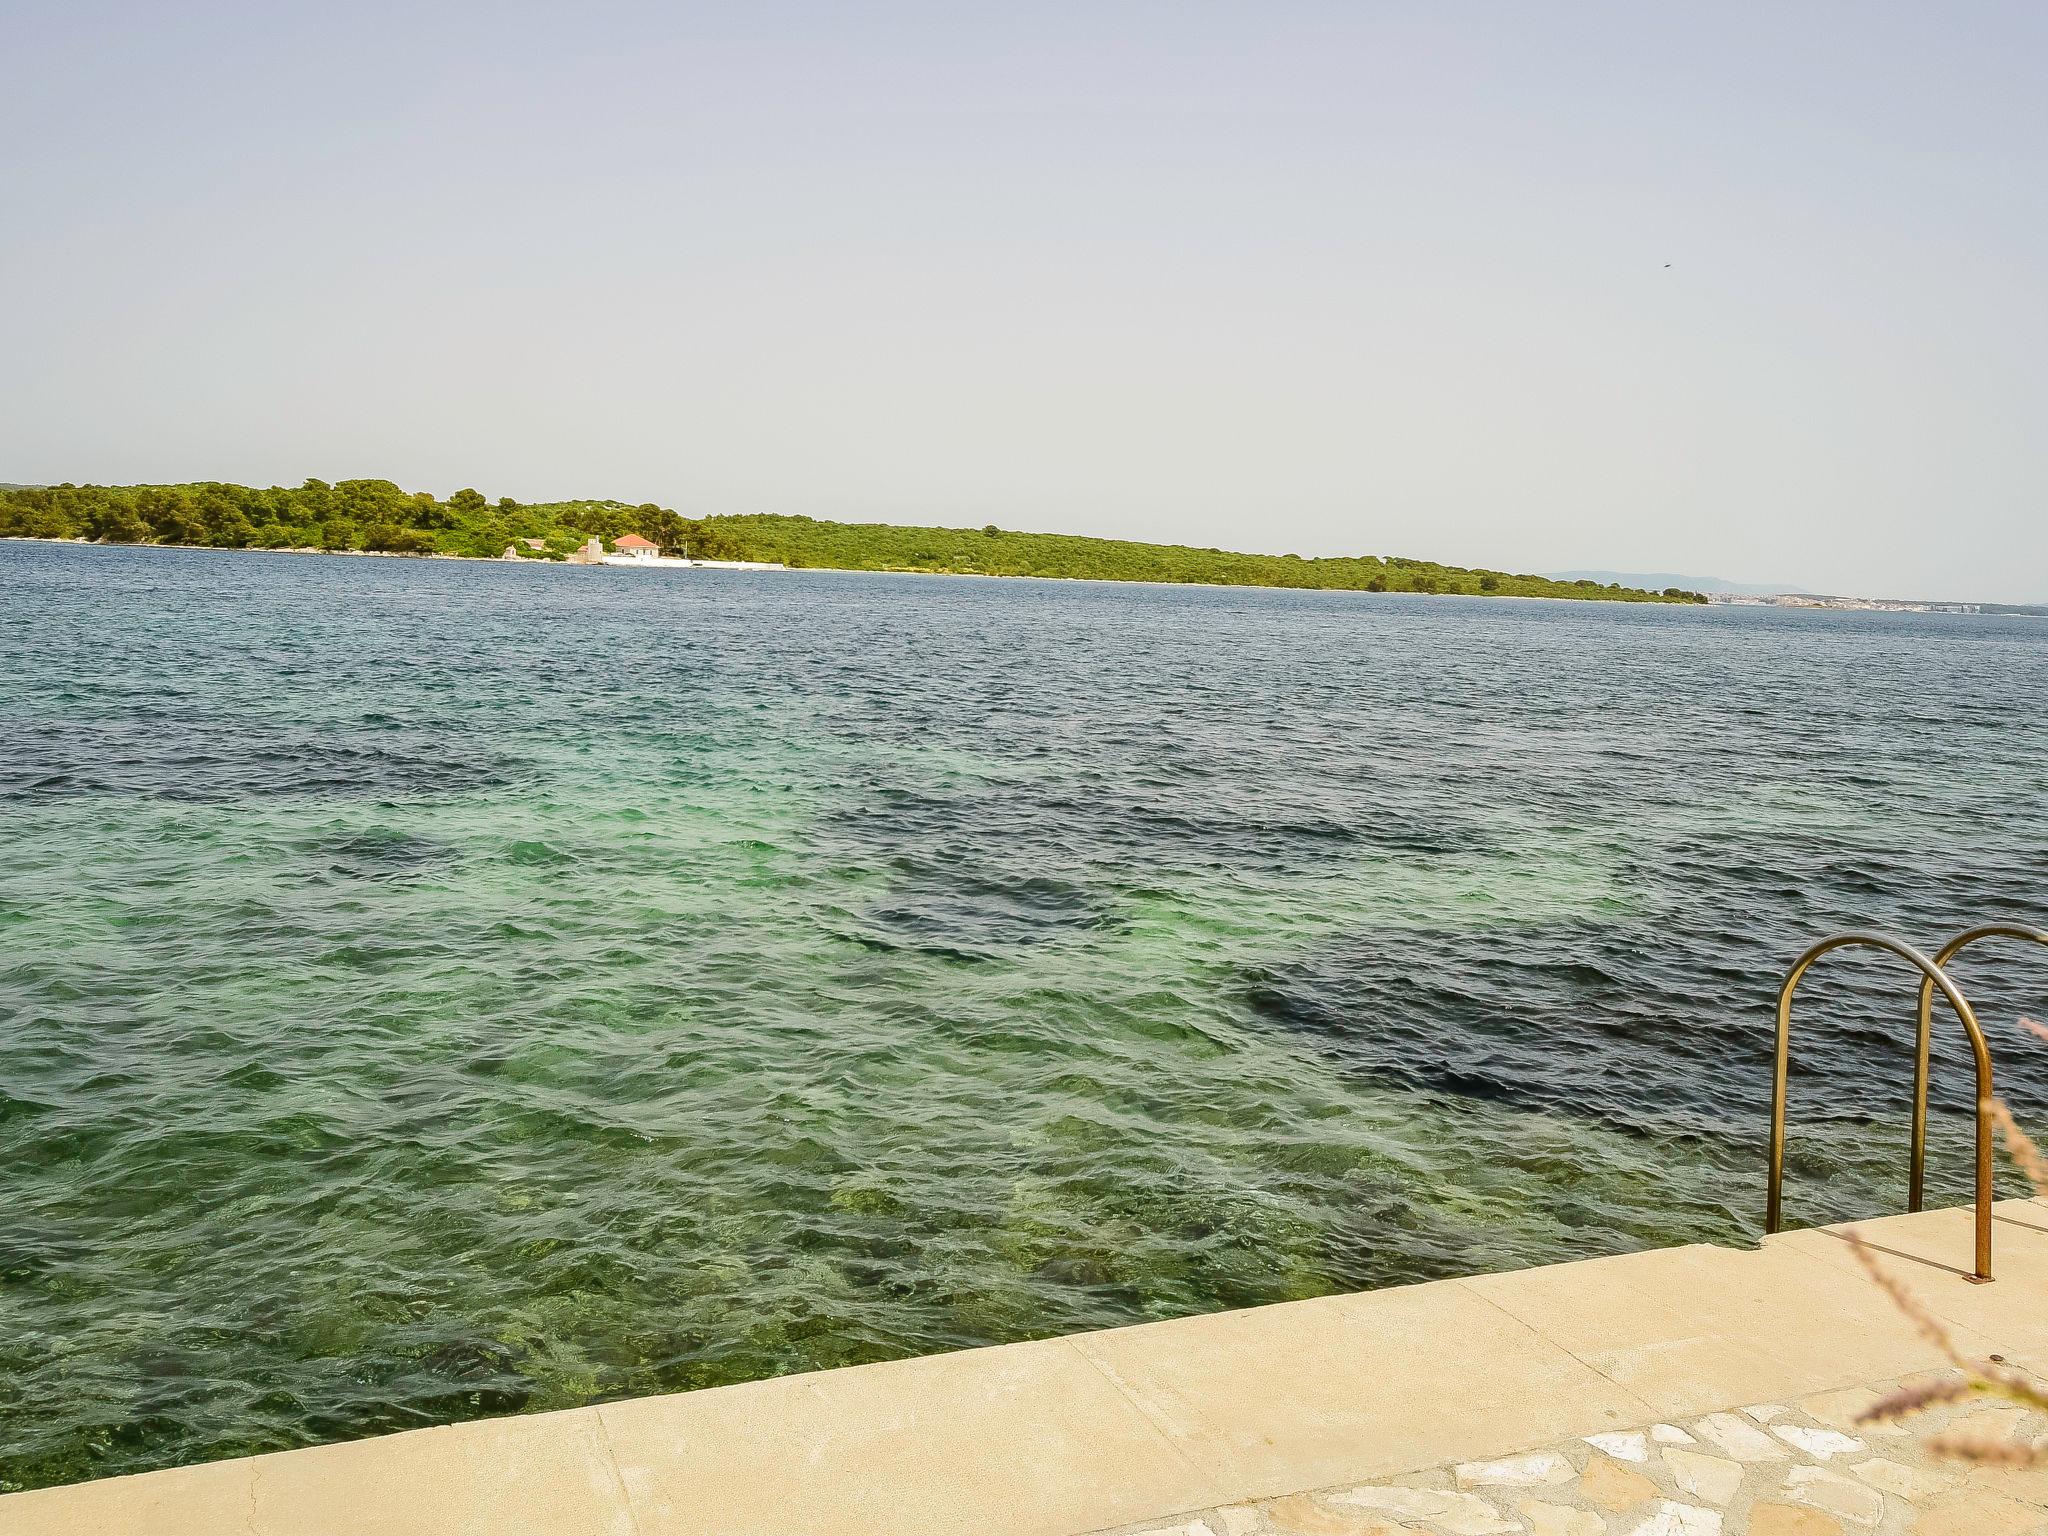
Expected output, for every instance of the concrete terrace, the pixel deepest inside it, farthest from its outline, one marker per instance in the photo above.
(1225, 1425)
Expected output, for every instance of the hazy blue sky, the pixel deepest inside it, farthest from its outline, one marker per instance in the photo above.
(1382, 278)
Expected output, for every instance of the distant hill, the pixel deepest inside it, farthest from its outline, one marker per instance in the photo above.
(377, 515)
(1656, 581)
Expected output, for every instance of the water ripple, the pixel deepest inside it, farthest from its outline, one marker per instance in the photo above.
(431, 994)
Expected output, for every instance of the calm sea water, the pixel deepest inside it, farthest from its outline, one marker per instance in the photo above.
(433, 989)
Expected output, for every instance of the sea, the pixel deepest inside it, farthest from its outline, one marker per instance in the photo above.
(436, 989)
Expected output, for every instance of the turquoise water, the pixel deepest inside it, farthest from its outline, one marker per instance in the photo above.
(439, 989)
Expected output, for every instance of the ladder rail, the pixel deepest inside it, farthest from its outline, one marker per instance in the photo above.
(1932, 976)
(1924, 1038)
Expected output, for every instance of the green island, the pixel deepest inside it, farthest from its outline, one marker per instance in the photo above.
(376, 516)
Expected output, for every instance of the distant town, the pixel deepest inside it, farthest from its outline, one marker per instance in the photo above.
(1872, 604)
(1753, 594)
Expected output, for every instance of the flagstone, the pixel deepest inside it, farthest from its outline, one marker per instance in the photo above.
(1304, 1515)
(1979, 1512)
(1914, 1484)
(1610, 1485)
(1546, 1519)
(1670, 1434)
(1674, 1519)
(1455, 1514)
(1712, 1478)
(1982, 1421)
(1788, 1520)
(1836, 1494)
(1822, 1443)
(1623, 1445)
(1737, 1438)
(1428, 1477)
(1540, 1468)
(2027, 1484)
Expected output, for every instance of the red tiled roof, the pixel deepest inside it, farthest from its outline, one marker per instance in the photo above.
(633, 541)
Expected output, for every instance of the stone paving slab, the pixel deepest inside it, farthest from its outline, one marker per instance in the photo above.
(1025, 1438)
(1281, 1397)
(1223, 1414)
(1932, 1252)
(1686, 1329)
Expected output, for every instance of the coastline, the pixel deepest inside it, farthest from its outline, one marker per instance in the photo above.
(838, 570)
(1817, 605)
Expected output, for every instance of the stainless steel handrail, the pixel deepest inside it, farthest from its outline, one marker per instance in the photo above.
(1955, 946)
(1932, 976)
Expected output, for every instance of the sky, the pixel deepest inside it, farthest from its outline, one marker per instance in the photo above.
(1741, 290)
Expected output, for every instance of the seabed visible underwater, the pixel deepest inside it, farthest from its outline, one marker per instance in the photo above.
(440, 989)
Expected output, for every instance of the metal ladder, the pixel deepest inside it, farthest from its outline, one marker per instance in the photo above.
(1932, 975)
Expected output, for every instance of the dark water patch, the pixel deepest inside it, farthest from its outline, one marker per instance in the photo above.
(947, 909)
(1611, 1023)
(222, 761)
(1124, 820)
(377, 853)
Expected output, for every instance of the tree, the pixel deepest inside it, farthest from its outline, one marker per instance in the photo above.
(661, 525)
(372, 501)
(222, 522)
(169, 514)
(396, 539)
(468, 501)
(116, 522)
(429, 513)
(35, 514)
(226, 528)
(312, 501)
